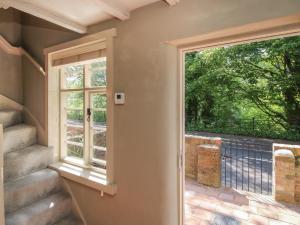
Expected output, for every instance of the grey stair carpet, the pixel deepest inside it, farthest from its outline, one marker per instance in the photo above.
(25, 161)
(36, 185)
(44, 212)
(32, 192)
(18, 137)
(10, 117)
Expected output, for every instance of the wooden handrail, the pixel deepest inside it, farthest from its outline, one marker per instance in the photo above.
(12, 50)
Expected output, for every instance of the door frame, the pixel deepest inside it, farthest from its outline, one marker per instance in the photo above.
(259, 31)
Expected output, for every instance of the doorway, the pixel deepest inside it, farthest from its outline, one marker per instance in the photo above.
(228, 156)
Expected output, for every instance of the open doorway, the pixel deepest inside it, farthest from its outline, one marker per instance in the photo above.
(241, 101)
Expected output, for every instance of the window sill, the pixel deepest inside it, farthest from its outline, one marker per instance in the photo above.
(85, 177)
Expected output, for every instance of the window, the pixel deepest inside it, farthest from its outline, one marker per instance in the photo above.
(80, 109)
(83, 113)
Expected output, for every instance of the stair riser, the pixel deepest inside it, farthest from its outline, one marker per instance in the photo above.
(31, 188)
(21, 163)
(10, 118)
(16, 139)
(48, 213)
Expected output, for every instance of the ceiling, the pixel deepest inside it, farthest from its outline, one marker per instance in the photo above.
(76, 15)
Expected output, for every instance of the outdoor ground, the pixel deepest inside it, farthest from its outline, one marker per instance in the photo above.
(224, 206)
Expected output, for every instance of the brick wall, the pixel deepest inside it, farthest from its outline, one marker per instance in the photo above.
(283, 166)
(203, 159)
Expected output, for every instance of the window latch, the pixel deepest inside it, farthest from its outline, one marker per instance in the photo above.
(88, 112)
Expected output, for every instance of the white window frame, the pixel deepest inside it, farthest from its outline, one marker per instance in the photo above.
(53, 108)
(87, 129)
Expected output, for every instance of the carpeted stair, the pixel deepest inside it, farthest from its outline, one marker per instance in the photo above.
(33, 193)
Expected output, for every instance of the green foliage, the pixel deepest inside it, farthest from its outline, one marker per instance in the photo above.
(98, 74)
(74, 76)
(226, 87)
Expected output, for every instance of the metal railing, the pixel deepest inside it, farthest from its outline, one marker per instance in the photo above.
(247, 165)
(255, 127)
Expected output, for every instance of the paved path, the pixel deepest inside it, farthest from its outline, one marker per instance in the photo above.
(225, 206)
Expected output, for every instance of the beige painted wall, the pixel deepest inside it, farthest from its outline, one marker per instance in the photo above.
(146, 129)
(38, 34)
(11, 77)
(34, 97)
(10, 26)
(10, 66)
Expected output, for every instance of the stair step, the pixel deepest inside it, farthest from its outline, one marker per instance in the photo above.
(69, 221)
(30, 188)
(44, 212)
(10, 117)
(18, 137)
(29, 160)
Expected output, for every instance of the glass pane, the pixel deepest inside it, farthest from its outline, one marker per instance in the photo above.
(98, 130)
(99, 102)
(73, 120)
(74, 106)
(75, 151)
(97, 72)
(99, 137)
(72, 77)
(99, 154)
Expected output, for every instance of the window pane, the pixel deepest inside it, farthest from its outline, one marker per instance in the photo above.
(75, 151)
(99, 137)
(74, 116)
(72, 77)
(98, 130)
(97, 73)
(74, 100)
(99, 102)
(73, 121)
(99, 154)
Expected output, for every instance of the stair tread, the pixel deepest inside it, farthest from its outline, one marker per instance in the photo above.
(30, 188)
(46, 211)
(37, 157)
(10, 117)
(70, 220)
(18, 137)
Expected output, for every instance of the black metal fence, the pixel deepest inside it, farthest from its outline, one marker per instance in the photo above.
(255, 127)
(247, 165)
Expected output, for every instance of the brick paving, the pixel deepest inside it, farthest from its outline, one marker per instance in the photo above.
(225, 206)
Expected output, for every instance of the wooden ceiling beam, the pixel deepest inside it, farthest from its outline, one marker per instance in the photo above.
(43, 14)
(113, 9)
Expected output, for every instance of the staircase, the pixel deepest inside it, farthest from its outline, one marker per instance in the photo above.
(33, 193)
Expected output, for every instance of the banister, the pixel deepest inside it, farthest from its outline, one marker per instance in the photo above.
(12, 50)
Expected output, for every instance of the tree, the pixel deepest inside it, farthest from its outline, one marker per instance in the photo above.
(265, 74)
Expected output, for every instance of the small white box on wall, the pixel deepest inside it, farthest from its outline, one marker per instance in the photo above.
(119, 98)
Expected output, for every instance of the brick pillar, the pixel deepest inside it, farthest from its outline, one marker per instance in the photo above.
(284, 175)
(297, 179)
(209, 165)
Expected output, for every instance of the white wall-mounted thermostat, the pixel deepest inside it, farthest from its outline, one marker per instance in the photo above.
(119, 98)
